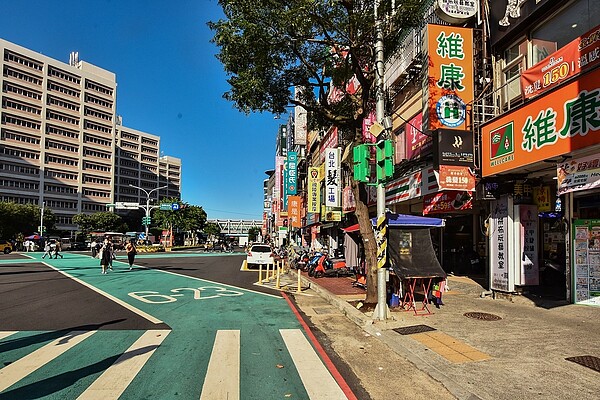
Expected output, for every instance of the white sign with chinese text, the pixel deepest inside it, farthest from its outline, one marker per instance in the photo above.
(332, 178)
(499, 245)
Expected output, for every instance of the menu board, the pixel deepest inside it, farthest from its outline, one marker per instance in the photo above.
(586, 248)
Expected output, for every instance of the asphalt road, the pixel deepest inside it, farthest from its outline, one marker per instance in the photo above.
(190, 316)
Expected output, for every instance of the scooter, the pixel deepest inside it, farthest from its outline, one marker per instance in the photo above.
(330, 267)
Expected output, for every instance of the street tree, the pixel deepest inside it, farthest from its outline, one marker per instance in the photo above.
(187, 218)
(325, 50)
(24, 219)
(211, 229)
(253, 233)
(99, 222)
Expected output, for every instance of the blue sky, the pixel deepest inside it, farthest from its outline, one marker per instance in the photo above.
(169, 84)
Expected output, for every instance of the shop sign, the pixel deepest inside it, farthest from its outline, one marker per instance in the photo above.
(314, 190)
(528, 254)
(452, 177)
(541, 198)
(291, 164)
(332, 178)
(456, 11)
(447, 202)
(300, 119)
(578, 174)
(348, 201)
(295, 211)
(330, 141)
(417, 143)
(587, 261)
(453, 147)
(450, 76)
(312, 218)
(487, 190)
(580, 55)
(547, 127)
(405, 188)
(333, 216)
(499, 246)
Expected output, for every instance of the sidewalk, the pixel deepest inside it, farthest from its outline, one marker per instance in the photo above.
(521, 355)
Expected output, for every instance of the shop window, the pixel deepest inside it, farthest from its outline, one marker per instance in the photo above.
(515, 61)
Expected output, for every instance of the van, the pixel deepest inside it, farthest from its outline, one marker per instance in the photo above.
(65, 244)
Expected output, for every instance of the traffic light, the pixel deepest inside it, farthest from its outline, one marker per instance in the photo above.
(385, 160)
(361, 157)
(146, 220)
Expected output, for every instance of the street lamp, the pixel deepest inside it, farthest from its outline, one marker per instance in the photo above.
(147, 208)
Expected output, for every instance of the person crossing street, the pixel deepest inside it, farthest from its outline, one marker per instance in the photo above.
(131, 252)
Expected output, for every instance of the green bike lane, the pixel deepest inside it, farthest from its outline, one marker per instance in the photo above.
(195, 310)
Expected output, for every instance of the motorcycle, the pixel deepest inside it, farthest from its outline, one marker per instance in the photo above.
(330, 267)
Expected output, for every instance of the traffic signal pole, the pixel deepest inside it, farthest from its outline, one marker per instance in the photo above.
(147, 207)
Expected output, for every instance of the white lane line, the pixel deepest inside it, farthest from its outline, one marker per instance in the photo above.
(113, 382)
(317, 380)
(19, 369)
(128, 306)
(222, 379)
(6, 334)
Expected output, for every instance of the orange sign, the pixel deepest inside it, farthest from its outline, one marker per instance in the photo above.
(455, 177)
(557, 123)
(450, 76)
(576, 57)
(295, 211)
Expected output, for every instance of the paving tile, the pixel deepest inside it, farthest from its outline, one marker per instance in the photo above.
(457, 358)
(476, 355)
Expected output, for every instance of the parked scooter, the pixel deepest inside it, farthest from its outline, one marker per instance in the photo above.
(330, 267)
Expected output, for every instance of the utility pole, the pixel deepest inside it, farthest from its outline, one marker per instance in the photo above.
(381, 311)
(42, 219)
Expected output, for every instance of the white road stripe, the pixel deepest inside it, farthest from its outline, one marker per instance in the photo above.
(113, 382)
(222, 379)
(6, 334)
(128, 306)
(317, 380)
(19, 369)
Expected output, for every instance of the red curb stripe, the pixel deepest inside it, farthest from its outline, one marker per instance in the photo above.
(328, 363)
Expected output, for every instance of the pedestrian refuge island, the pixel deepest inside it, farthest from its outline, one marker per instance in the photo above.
(414, 267)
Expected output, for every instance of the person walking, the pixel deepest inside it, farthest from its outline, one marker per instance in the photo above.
(131, 252)
(94, 247)
(57, 250)
(105, 256)
(47, 250)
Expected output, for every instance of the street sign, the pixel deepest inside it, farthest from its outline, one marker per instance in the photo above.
(175, 206)
(165, 207)
(126, 206)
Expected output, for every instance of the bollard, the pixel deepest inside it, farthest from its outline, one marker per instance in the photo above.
(299, 290)
(267, 279)
(260, 280)
(278, 282)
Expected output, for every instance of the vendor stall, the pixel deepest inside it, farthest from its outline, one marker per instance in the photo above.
(412, 260)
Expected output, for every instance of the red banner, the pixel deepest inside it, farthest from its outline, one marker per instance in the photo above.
(580, 55)
(453, 177)
(446, 202)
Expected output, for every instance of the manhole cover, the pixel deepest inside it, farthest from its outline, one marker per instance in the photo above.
(482, 316)
(411, 330)
(587, 361)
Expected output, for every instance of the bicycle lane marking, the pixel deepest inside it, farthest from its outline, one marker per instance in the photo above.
(196, 309)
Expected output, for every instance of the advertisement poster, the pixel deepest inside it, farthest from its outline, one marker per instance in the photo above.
(417, 143)
(528, 254)
(499, 244)
(578, 174)
(578, 56)
(446, 202)
(453, 177)
(586, 246)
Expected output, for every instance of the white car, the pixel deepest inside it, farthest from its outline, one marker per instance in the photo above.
(259, 254)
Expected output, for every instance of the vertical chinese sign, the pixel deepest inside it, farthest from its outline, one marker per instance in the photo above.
(290, 178)
(450, 83)
(332, 178)
(314, 191)
(528, 255)
(295, 211)
(499, 246)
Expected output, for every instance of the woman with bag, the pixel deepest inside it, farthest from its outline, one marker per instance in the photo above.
(131, 252)
(105, 255)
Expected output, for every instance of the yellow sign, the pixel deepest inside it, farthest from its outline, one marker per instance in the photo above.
(314, 190)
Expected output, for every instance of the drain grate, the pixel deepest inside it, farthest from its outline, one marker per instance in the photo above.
(482, 316)
(411, 330)
(587, 361)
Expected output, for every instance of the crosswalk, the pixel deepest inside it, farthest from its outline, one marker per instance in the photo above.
(220, 379)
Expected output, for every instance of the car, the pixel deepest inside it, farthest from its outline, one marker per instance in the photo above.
(5, 246)
(79, 246)
(259, 254)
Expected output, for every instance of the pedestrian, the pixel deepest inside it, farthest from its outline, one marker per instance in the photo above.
(26, 244)
(113, 255)
(47, 250)
(57, 250)
(105, 256)
(94, 248)
(131, 252)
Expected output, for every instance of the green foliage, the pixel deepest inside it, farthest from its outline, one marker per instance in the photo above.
(100, 222)
(18, 219)
(269, 47)
(211, 229)
(187, 218)
(253, 234)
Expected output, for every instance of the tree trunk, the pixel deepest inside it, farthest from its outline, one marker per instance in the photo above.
(368, 237)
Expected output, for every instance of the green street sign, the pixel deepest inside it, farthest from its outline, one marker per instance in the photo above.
(165, 207)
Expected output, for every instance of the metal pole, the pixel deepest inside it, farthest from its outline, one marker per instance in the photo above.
(42, 219)
(382, 309)
(147, 213)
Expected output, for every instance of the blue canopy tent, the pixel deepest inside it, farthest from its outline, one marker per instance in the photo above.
(405, 220)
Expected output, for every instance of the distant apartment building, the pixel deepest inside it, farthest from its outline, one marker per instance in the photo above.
(58, 138)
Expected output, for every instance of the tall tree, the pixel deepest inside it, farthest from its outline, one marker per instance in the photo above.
(268, 47)
(188, 218)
